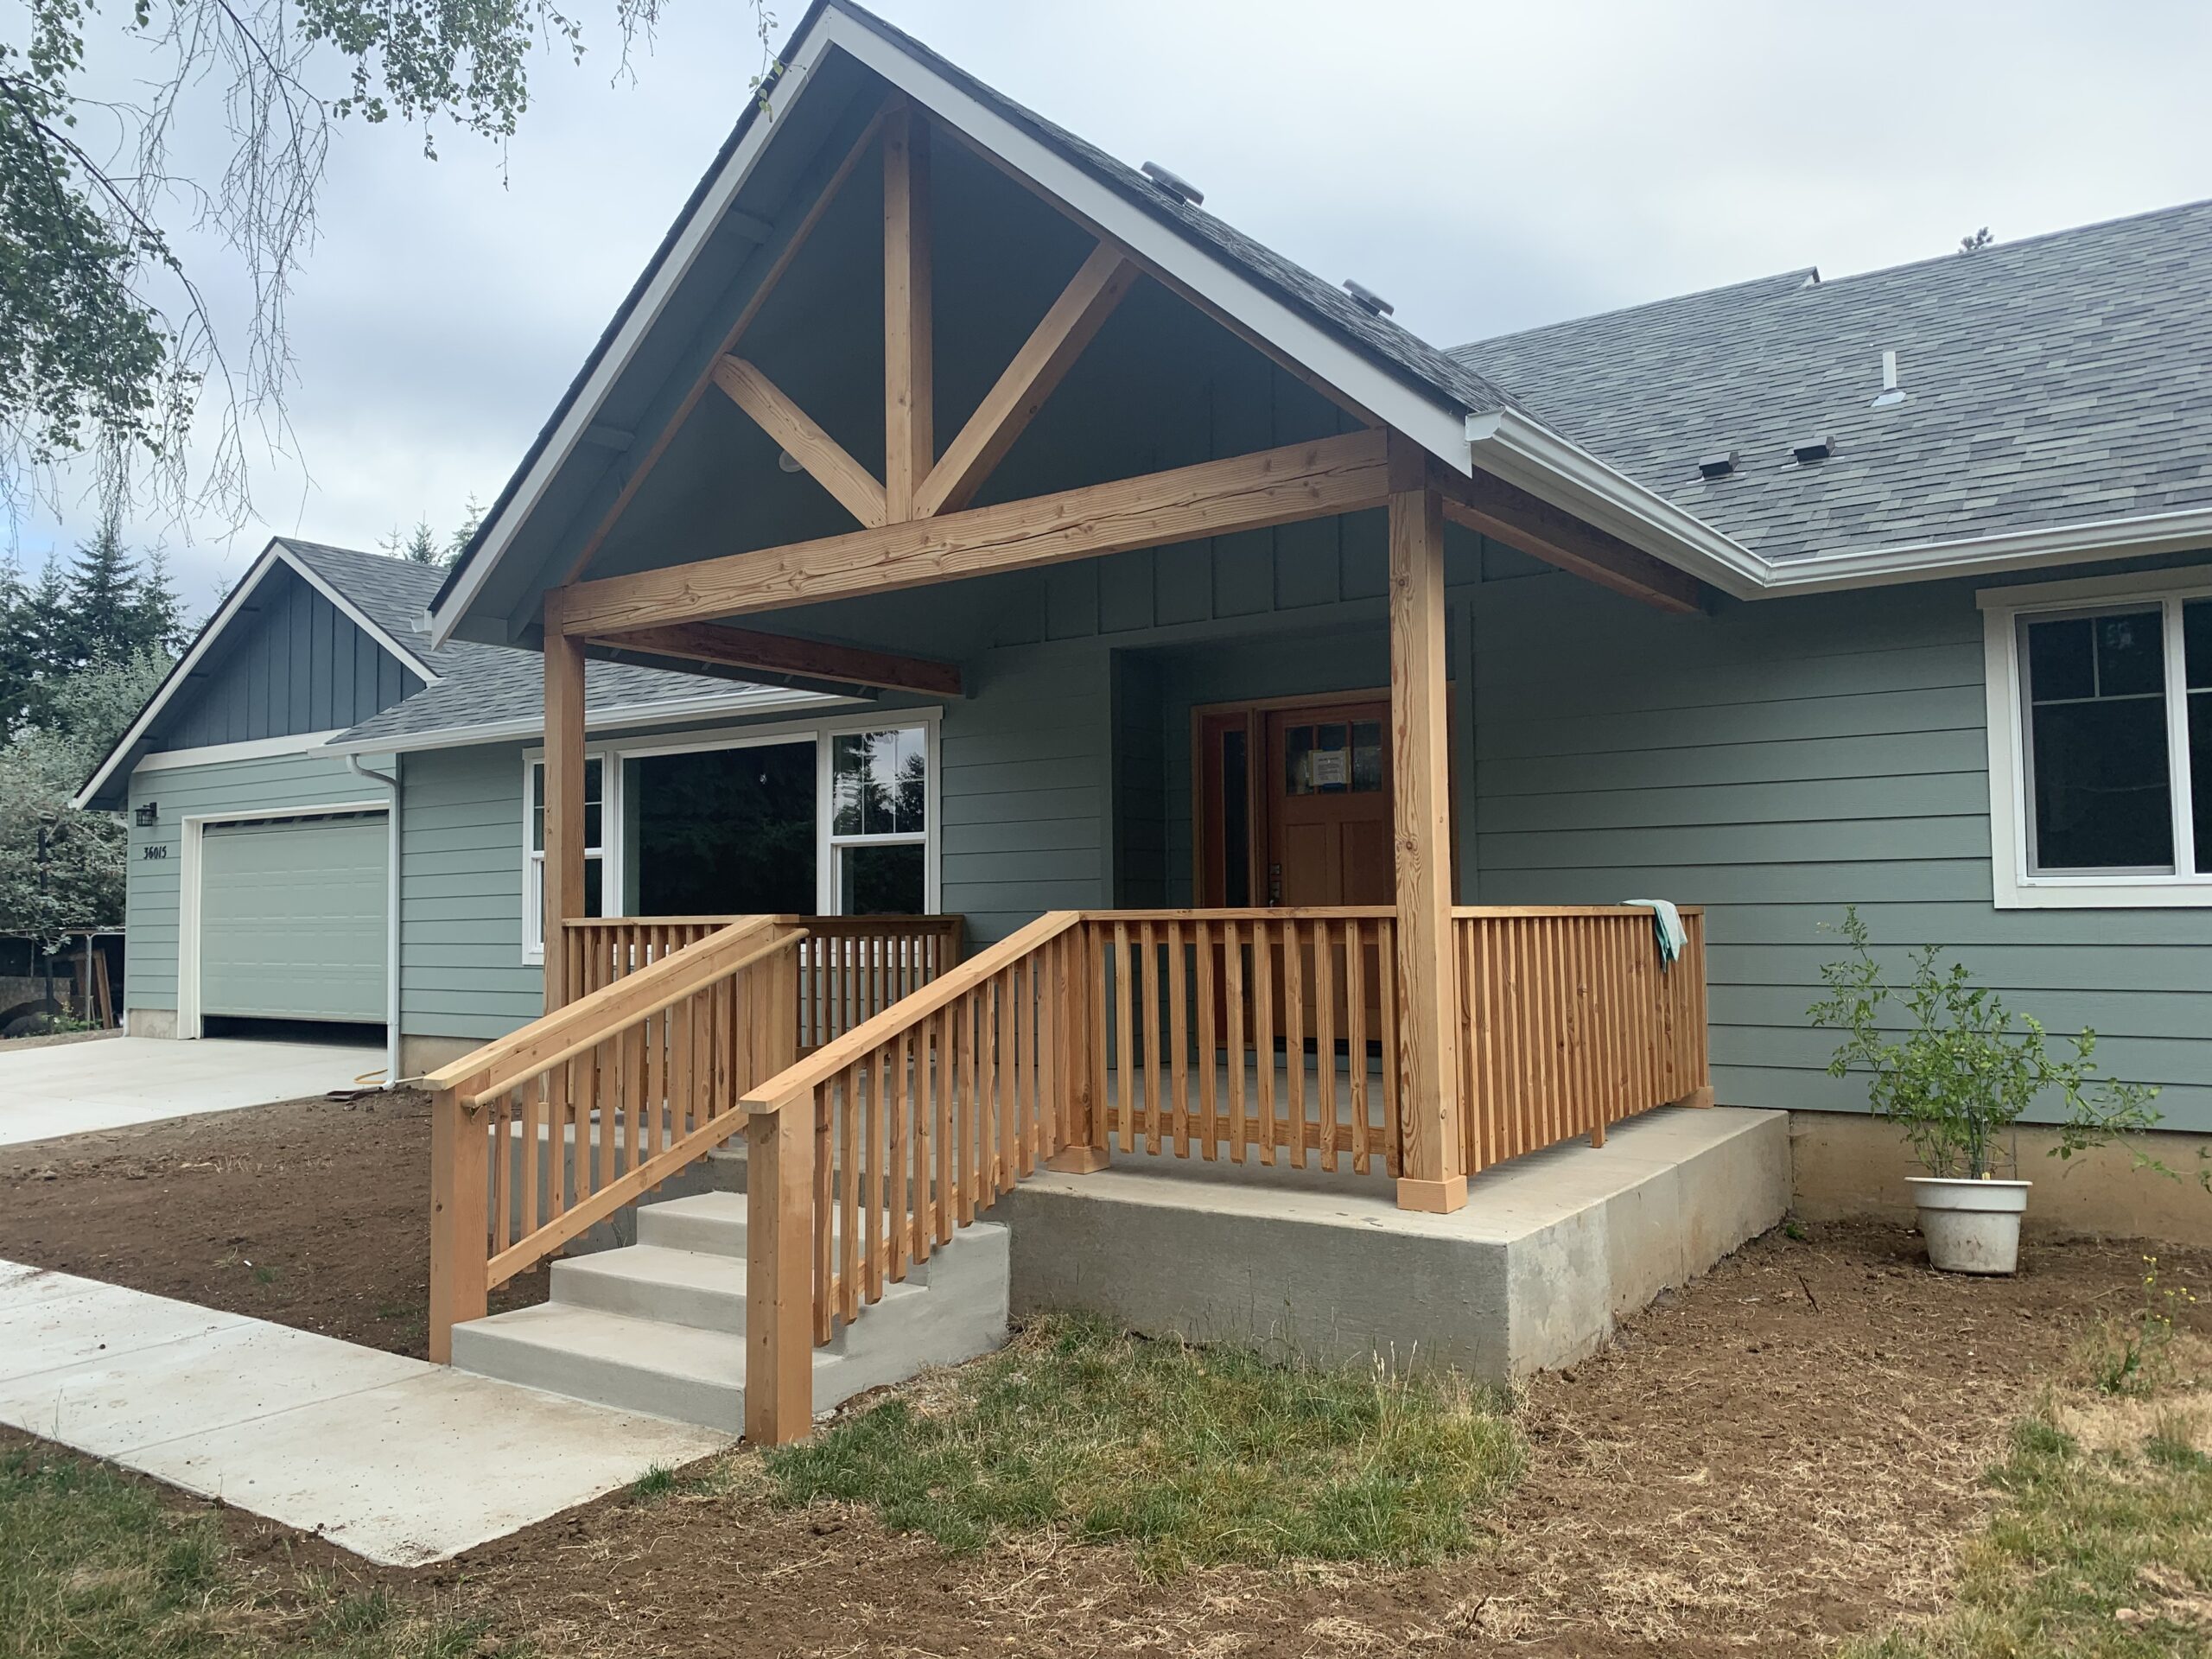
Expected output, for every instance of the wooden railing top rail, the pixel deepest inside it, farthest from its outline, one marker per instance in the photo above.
(1476, 913)
(865, 1039)
(820, 924)
(1275, 913)
(652, 988)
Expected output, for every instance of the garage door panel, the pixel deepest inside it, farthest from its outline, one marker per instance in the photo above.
(293, 920)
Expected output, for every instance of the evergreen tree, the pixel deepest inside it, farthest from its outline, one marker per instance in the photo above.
(467, 533)
(158, 624)
(422, 546)
(19, 660)
(101, 615)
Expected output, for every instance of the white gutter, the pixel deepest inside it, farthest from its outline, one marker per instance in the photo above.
(1510, 446)
(391, 917)
(2018, 549)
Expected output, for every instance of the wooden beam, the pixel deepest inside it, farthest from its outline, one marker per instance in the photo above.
(1506, 513)
(778, 653)
(564, 797)
(822, 457)
(864, 145)
(910, 433)
(1433, 1172)
(1317, 479)
(1036, 368)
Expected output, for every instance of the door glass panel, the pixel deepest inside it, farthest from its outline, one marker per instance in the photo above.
(1366, 757)
(1298, 760)
(1235, 822)
(1331, 765)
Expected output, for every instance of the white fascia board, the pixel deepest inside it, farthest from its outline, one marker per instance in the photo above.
(2023, 549)
(215, 754)
(596, 720)
(805, 54)
(1429, 421)
(1510, 446)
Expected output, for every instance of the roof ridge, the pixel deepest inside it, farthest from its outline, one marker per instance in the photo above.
(2064, 233)
(1800, 273)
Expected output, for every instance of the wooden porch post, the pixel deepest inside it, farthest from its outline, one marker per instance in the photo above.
(459, 1220)
(1433, 1169)
(779, 1273)
(564, 797)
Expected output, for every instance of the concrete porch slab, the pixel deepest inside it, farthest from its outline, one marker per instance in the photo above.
(1549, 1251)
(399, 1460)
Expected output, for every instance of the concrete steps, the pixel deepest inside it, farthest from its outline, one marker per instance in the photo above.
(659, 1326)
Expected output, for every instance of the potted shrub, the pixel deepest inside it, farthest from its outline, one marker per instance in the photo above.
(1962, 1073)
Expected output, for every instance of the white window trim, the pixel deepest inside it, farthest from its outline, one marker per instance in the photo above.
(613, 855)
(2015, 887)
(610, 837)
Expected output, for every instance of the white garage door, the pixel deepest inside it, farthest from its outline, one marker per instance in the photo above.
(292, 918)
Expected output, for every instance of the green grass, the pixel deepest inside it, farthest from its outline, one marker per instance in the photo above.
(1193, 1455)
(94, 1565)
(2098, 1551)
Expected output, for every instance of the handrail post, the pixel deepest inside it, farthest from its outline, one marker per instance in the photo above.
(1083, 1147)
(780, 1272)
(460, 1223)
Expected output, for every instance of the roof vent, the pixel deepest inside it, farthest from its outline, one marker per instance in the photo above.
(1368, 300)
(1719, 466)
(1891, 397)
(1813, 449)
(1182, 190)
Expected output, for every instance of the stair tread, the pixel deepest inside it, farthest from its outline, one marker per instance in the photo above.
(681, 1351)
(658, 1264)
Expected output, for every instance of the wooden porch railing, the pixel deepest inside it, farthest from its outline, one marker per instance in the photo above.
(1569, 1024)
(537, 1137)
(1225, 1028)
(851, 968)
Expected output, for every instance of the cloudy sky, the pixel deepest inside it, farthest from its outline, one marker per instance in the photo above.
(1485, 164)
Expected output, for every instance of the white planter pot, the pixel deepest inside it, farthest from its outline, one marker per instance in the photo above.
(1971, 1226)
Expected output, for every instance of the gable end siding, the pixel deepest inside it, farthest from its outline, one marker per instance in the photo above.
(293, 664)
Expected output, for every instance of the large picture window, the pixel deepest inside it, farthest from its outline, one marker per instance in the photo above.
(830, 819)
(2100, 728)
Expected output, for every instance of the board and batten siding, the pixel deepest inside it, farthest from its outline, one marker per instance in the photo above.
(295, 665)
(1775, 762)
(229, 788)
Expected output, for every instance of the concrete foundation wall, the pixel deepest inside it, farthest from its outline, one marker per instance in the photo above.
(1847, 1165)
(1549, 1252)
(150, 1022)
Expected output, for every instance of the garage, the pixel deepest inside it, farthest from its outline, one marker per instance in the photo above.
(292, 918)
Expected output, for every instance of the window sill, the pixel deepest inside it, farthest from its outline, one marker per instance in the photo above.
(2116, 893)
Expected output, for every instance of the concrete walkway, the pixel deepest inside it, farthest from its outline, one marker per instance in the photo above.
(396, 1459)
(68, 1088)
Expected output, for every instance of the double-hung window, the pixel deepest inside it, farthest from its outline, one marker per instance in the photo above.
(533, 887)
(879, 822)
(2101, 742)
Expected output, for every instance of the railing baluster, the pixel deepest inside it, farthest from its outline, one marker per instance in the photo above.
(1263, 1041)
(1178, 1039)
(1208, 1101)
(1356, 1044)
(1232, 967)
(1324, 1039)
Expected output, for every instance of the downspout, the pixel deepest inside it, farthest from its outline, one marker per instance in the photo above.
(391, 917)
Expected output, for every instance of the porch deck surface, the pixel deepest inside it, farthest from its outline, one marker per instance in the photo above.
(383, 1455)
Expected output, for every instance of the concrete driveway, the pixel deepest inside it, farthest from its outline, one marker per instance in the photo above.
(70, 1088)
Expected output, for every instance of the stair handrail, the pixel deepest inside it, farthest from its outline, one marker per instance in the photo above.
(779, 1257)
(833, 1056)
(501, 1063)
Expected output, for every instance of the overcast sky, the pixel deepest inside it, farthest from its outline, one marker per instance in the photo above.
(1485, 166)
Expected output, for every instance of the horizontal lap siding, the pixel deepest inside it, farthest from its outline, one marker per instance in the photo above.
(461, 972)
(1775, 762)
(1023, 795)
(229, 787)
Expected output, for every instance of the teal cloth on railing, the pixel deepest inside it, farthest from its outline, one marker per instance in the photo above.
(1666, 926)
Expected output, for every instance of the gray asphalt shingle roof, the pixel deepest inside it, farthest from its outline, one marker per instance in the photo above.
(496, 685)
(2057, 380)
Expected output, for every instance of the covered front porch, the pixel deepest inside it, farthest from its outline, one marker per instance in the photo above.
(1169, 520)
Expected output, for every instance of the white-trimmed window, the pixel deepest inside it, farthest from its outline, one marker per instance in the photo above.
(879, 822)
(533, 885)
(2101, 740)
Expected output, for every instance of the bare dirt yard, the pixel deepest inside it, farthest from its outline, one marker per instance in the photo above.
(1788, 1452)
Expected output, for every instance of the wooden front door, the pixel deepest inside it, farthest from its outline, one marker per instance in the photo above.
(1326, 778)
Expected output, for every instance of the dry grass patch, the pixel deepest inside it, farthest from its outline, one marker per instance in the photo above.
(1196, 1456)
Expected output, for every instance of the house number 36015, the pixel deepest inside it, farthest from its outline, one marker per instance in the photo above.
(156, 850)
